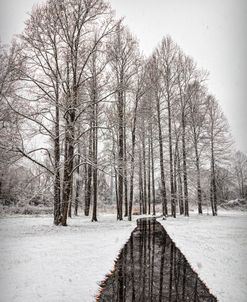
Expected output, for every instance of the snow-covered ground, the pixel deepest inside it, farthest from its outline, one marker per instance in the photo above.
(41, 262)
(216, 248)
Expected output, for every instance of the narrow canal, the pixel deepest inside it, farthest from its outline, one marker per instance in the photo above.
(151, 268)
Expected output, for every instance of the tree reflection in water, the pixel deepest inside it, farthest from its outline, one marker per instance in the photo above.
(151, 268)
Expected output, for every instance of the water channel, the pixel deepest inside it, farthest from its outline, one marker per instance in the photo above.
(151, 268)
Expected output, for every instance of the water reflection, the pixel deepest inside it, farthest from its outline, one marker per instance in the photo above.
(151, 268)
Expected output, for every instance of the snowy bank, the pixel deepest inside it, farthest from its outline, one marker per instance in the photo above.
(41, 262)
(216, 248)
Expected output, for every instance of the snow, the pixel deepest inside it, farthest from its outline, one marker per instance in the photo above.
(41, 262)
(216, 248)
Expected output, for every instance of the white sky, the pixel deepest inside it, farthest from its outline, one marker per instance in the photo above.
(213, 32)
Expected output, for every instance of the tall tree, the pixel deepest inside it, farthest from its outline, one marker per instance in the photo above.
(138, 92)
(219, 144)
(122, 56)
(240, 170)
(157, 93)
(10, 138)
(167, 52)
(186, 75)
(197, 113)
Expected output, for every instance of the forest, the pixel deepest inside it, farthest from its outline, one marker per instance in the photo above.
(88, 124)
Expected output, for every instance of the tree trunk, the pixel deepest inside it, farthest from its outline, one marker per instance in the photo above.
(89, 173)
(120, 152)
(57, 192)
(70, 201)
(132, 177)
(95, 161)
(68, 165)
(198, 174)
(125, 176)
(149, 174)
(144, 173)
(85, 187)
(173, 204)
(153, 180)
(140, 185)
(77, 192)
(77, 182)
(175, 178)
(132, 169)
(186, 199)
(213, 189)
(180, 185)
(57, 182)
(162, 173)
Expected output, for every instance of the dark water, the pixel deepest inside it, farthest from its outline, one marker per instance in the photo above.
(151, 268)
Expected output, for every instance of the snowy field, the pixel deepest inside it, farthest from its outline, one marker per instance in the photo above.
(41, 262)
(216, 248)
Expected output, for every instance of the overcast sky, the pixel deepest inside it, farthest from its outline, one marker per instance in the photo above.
(213, 32)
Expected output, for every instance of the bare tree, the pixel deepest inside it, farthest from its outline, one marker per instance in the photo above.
(240, 169)
(219, 142)
(138, 92)
(197, 113)
(157, 94)
(167, 53)
(187, 74)
(122, 54)
(103, 116)
(9, 122)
